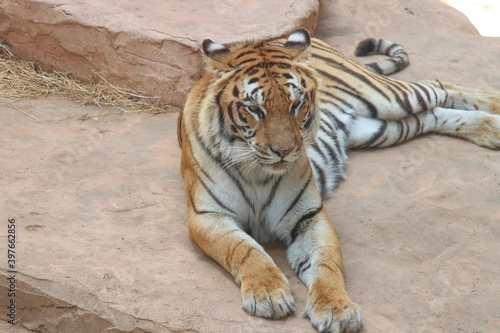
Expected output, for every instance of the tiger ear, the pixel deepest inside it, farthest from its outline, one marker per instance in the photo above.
(214, 50)
(300, 42)
(215, 54)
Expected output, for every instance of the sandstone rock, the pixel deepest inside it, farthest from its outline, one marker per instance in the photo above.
(100, 209)
(150, 45)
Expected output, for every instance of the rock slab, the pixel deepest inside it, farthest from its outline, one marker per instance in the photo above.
(151, 45)
(102, 244)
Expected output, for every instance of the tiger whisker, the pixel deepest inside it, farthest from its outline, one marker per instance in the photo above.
(249, 167)
(245, 156)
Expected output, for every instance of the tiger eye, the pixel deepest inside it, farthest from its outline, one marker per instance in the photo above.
(295, 106)
(253, 108)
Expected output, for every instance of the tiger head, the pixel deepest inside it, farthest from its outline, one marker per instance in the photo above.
(265, 97)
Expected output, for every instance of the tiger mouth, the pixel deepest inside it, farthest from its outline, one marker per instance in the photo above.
(280, 166)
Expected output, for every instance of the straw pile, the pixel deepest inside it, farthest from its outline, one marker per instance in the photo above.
(22, 79)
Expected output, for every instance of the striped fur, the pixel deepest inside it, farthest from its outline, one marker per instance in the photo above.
(372, 110)
(264, 137)
(398, 57)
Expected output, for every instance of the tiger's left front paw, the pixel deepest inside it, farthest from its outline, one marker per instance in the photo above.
(333, 313)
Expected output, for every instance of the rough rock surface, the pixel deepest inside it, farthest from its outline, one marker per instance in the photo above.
(100, 212)
(150, 45)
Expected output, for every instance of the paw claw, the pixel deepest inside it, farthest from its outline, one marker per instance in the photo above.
(268, 298)
(329, 318)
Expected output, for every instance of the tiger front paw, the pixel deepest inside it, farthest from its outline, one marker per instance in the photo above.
(267, 294)
(333, 313)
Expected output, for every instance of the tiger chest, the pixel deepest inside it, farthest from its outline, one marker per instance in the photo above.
(266, 206)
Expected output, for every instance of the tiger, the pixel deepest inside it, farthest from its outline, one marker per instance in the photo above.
(264, 136)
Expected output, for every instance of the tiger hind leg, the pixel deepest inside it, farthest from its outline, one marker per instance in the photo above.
(479, 127)
(462, 98)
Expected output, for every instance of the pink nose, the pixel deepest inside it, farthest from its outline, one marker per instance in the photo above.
(281, 152)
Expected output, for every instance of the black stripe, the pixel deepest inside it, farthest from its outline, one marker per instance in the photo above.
(337, 98)
(390, 48)
(303, 270)
(425, 92)
(197, 163)
(330, 129)
(236, 92)
(271, 194)
(244, 54)
(252, 70)
(360, 76)
(308, 121)
(253, 80)
(241, 118)
(254, 90)
(318, 150)
(375, 67)
(236, 180)
(297, 197)
(397, 63)
(407, 103)
(322, 47)
(340, 148)
(407, 127)
(282, 57)
(196, 210)
(401, 128)
(218, 160)
(244, 62)
(353, 92)
(376, 135)
(398, 99)
(436, 96)
(215, 198)
(279, 64)
(298, 228)
(303, 83)
(223, 132)
(320, 183)
(329, 149)
(381, 143)
(335, 120)
(421, 100)
(219, 108)
(209, 152)
(418, 126)
(303, 266)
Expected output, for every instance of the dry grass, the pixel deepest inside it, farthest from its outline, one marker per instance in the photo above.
(22, 79)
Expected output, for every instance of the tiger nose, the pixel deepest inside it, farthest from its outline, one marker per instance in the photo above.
(282, 152)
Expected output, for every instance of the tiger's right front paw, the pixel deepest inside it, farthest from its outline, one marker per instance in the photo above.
(267, 294)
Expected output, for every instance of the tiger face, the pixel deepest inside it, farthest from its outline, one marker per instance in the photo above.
(266, 102)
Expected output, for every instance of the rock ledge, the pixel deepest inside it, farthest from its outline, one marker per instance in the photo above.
(151, 45)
